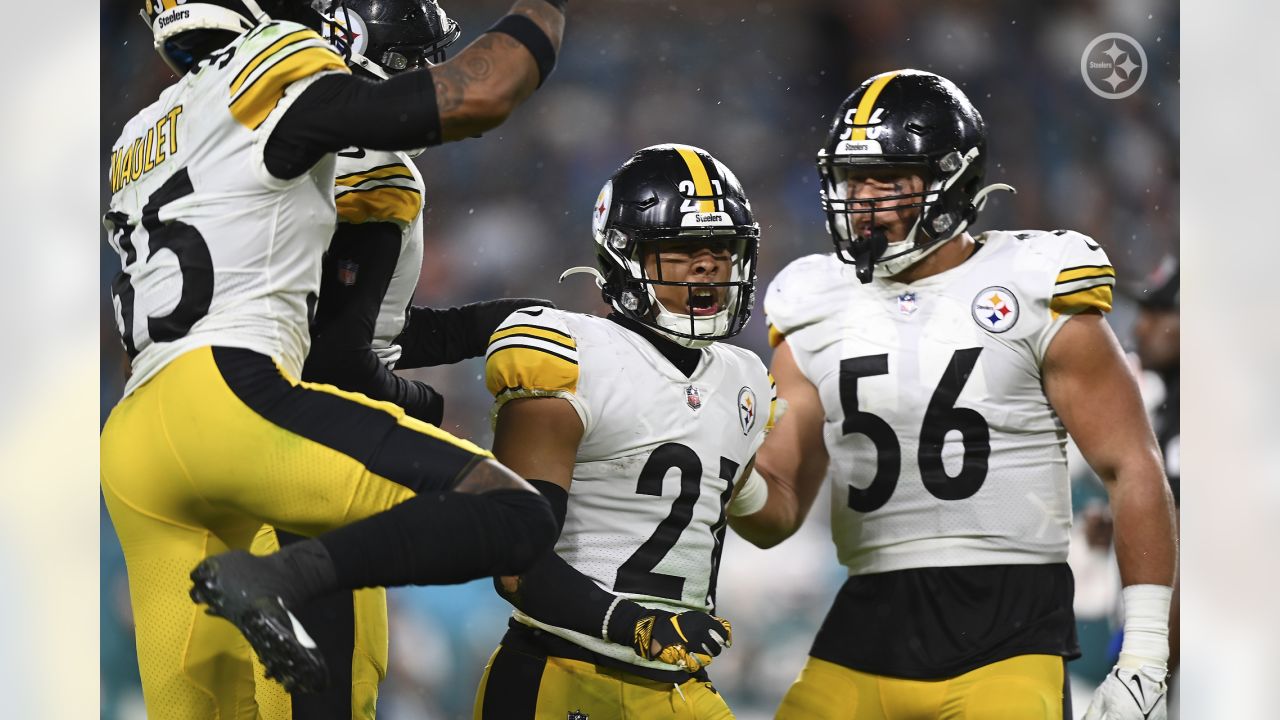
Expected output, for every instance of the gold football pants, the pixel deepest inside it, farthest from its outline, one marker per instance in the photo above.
(517, 686)
(1026, 687)
(216, 445)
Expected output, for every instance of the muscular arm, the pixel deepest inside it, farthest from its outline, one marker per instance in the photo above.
(341, 348)
(1093, 390)
(473, 92)
(793, 459)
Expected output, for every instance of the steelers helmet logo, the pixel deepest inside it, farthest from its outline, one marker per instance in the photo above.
(995, 309)
(348, 28)
(600, 212)
(746, 409)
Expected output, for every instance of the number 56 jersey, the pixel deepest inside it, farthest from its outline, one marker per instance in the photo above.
(944, 449)
(214, 249)
(658, 459)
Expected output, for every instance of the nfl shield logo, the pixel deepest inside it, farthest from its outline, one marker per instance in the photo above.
(693, 396)
(347, 272)
(907, 303)
(577, 715)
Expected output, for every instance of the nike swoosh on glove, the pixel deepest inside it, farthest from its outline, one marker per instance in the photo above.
(1129, 694)
(689, 640)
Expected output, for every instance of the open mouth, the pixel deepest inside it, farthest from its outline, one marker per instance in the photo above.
(703, 303)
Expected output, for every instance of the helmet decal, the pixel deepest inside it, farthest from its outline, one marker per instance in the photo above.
(350, 27)
(600, 213)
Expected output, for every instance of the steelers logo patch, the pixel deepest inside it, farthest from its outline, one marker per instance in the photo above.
(995, 309)
(746, 409)
(349, 28)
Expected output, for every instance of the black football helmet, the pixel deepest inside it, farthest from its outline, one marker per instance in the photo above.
(389, 36)
(916, 121)
(674, 193)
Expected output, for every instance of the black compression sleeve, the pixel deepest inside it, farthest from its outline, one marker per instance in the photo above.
(442, 336)
(338, 111)
(355, 274)
(557, 496)
(442, 538)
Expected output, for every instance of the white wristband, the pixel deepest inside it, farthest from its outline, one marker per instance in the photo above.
(608, 614)
(1146, 626)
(751, 496)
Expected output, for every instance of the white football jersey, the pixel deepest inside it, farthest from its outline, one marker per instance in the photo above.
(214, 249)
(659, 456)
(381, 186)
(944, 449)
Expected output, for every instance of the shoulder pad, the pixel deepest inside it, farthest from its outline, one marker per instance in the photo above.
(793, 299)
(267, 60)
(377, 187)
(533, 352)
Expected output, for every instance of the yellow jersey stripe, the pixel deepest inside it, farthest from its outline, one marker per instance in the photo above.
(1097, 297)
(379, 204)
(371, 172)
(701, 182)
(1085, 272)
(775, 337)
(386, 172)
(272, 49)
(518, 367)
(548, 334)
(260, 97)
(867, 104)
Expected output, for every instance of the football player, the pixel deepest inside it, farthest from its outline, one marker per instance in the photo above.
(362, 331)
(934, 376)
(637, 427)
(221, 207)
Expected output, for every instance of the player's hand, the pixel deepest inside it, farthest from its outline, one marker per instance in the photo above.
(1129, 694)
(689, 640)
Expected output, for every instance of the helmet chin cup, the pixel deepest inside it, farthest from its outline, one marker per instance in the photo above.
(866, 251)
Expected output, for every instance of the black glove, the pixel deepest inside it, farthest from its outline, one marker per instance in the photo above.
(425, 403)
(688, 640)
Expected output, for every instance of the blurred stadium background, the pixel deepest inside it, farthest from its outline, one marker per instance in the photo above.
(754, 83)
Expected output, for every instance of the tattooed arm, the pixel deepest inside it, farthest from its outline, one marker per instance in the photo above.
(473, 92)
(479, 87)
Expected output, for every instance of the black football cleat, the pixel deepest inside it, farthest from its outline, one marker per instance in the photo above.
(239, 587)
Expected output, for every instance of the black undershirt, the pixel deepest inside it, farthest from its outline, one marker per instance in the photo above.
(934, 623)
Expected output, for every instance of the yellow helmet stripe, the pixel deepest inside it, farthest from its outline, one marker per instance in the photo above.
(701, 182)
(867, 104)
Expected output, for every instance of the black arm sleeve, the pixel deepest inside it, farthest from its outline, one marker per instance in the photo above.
(553, 592)
(434, 336)
(355, 275)
(339, 111)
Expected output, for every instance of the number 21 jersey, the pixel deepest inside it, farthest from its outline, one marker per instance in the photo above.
(944, 449)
